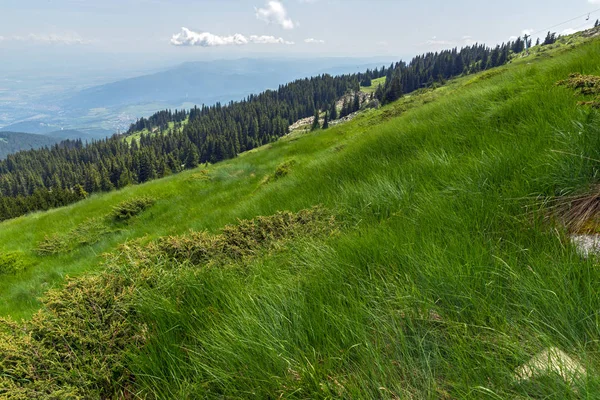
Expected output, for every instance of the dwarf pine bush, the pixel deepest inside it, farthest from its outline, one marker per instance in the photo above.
(12, 263)
(130, 208)
(77, 345)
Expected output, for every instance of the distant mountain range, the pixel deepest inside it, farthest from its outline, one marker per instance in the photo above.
(208, 82)
(102, 110)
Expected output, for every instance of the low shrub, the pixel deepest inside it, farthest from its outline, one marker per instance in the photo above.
(79, 344)
(87, 233)
(130, 208)
(246, 237)
(281, 171)
(75, 347)
(587, 85)
(12, 263)
(584, 84)
(284, 169)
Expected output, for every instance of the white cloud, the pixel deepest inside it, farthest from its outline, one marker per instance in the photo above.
(268, 40)
(275, 13)
(594, 1)
(188, 37)
(315, 41)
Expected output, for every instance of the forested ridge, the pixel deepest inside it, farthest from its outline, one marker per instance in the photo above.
(64, 173)
(13, 142)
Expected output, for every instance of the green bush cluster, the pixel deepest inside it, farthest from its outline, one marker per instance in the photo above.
(130, 208)
(588, 85)
(92, 230)
(281, 171)
(246, 237)
(77, 345)
(87, 233)
(12, 263)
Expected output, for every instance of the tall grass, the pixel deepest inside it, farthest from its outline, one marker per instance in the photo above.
(445, 275)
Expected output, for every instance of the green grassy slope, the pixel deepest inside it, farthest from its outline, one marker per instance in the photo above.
(374, 85)
(441, 280)
(138, 134)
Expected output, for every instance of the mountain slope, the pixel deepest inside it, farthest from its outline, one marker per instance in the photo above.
(439, 278)
(12, 142)
(209, 82)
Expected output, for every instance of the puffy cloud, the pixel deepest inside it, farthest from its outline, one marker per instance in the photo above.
(315, 41)
(275, 13)
(268, 40)
(188, 37)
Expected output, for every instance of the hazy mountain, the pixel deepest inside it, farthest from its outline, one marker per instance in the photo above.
(101, 110)
(12, 142)
(209, 82)
(35, 127)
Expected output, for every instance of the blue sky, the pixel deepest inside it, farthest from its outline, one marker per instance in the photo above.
(38, 30)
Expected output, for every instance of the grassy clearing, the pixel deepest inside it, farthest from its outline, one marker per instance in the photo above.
(375, 84)
(137, 135)
(443, 275)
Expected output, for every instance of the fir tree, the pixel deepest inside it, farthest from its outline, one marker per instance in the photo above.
(326, 120)
(315, 125)
(550, 38)
(597, 24)
(356, 103)
(394, 89)
(333, 114)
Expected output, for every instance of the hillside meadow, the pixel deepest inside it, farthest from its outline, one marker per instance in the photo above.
(409, 253)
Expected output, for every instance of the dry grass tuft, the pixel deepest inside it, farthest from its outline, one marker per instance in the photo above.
(588, 85)
(579, 214)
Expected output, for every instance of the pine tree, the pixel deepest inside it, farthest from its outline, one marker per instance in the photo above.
(550, 38)
(192, 158)
(333, 114)
(537, 43)
(356, 103)
(379, 92)
(394, 89)
(80, 192)
(326, 121)
(315, 125)
(344, 111)
(597, 24)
